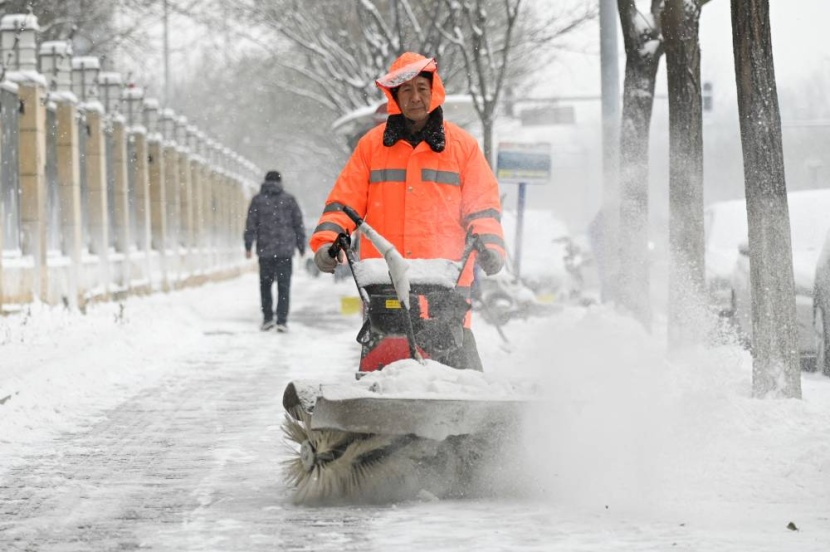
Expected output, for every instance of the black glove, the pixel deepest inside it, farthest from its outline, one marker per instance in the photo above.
(490, 261)
(324, 261)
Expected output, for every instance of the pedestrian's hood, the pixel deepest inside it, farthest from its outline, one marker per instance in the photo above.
(406, 68)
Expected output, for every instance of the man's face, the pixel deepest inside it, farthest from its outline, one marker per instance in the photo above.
(414, 97)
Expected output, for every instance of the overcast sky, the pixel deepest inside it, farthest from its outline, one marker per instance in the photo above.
(799, 48)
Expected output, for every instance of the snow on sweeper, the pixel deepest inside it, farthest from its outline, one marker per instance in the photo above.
(408, 425)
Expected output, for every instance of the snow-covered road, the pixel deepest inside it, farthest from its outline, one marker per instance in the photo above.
(155, 426)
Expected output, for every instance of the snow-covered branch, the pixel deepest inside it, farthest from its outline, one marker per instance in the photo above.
(369, 7)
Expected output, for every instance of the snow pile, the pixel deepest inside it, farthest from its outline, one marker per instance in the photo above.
(439, 272)
(628, 427)
(411, 379)
(650, 448)
(61, 369)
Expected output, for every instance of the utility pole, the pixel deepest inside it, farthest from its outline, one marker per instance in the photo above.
(166, 53)
(609, 223)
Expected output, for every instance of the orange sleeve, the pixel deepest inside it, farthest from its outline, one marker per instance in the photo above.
(350, 189)
(480, 204)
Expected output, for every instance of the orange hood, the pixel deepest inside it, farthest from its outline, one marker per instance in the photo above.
(406, 68)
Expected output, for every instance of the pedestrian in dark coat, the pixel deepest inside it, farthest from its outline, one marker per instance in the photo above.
(275, 223)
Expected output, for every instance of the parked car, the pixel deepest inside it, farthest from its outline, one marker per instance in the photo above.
(725, 229)
(821, 309)
(809, 224)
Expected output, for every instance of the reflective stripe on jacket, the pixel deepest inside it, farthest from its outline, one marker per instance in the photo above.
(421, 200)
(424, 198)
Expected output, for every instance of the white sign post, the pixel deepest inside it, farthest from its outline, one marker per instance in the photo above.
(522, 164)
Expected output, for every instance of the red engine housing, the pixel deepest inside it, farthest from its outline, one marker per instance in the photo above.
(386, 351)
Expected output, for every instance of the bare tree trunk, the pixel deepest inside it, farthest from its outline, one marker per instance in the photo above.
(486, 55)
(606, 225)
(643, 48)
(686, 308)
(487, 138)
(775, 368)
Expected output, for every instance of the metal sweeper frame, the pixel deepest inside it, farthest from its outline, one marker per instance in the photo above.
(358, 445)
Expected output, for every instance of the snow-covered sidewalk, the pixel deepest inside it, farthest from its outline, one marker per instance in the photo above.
(635, 453)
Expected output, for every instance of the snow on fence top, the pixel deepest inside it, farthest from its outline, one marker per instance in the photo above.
(86, 62)
(110, 84)
(80, 79)
(56, 47)
(55, 63)
(85, 71)
(16, 21)
(18, 42)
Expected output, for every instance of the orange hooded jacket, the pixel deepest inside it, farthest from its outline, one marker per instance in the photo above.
(421, 200)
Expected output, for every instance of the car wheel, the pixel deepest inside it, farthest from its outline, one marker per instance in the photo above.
(822, 342)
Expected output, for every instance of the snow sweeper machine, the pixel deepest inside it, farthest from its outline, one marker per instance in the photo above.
(408, 425)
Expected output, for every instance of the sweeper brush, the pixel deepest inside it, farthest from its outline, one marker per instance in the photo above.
(371, 441)
(409, 425)
(334, 466)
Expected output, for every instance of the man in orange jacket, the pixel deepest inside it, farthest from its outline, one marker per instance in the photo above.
(420, 181)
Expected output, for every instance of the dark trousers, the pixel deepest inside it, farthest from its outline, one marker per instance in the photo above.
(279, 269)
